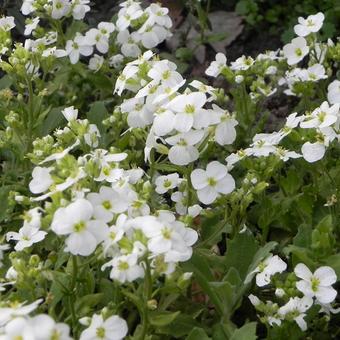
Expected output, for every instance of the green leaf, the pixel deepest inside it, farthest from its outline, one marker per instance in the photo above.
(160, 319)
(240, 253)
(4, 201)
(97, 114)
(84, 304)
(52, 121)
(246, 332)
(184, 54)
(181, 326)
(5, 82)
(334, 262)
(227, 295)
(211, 231)
(197, 334)
(201, 269)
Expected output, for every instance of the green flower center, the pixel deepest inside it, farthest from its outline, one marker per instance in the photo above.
(79, 227)
(166, 233)
(123, 265)
(100, 332)
(298, 52)
(166, 75)
(315, 282)
(167, 183)
(189, 108)
(107, 205)
(212, 181)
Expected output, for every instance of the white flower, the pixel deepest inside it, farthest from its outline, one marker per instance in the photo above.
(106, 28)
(312, 24)
(164, 122)
(165, 183)
(27, 7)
(333, 94)
(107, 203)
(44, 327)
(212, 182)
(95, 37)
(254, 300)
(164, 72)
(183, 150)
(70, 113)
(76, 47)
(225, 133)
(316, 72)
(75, 220)
(317, 284)
(242, 63)
(322, 116)
(266, 269)
(7, 313)
(26, 237)
(125, 268)
(91, 137)
(31, 25)
(7, 23)
(128, 14)
(116, 233)
(96, 62)
(41, 180)
(80, 8)
(60, 8)
(151, 36)
(113, 328)
(116, 60)
(18, 328)
(194, 210)
(279, 292)
(129, 42)
(295, 51)
(158, 15)
(313, 152)
(138, 114)
(295, 308)
(189, 111)
(217, 66)
(239, 79)
(180, 200)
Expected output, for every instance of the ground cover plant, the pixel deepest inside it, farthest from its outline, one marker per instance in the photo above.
(139, 202)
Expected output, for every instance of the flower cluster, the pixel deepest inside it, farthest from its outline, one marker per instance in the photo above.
(299, 291)
(123, 181)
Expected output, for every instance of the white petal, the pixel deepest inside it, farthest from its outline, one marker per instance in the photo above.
(199, 179)
(303, 272)
(207, 195)
(326, 275)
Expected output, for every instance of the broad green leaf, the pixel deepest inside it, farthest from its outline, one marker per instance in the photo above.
(53, 120)
(334, 262)
(201, 269)
(197, 334)
(5, 82)
(160, 319)
(86, 303)
(246, 332)
(181, 326)
(211, 231)
(97, 114)
(240, 253)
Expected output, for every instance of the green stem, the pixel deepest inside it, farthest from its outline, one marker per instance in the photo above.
(147, 291)
(30, 117)
(73, 287)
